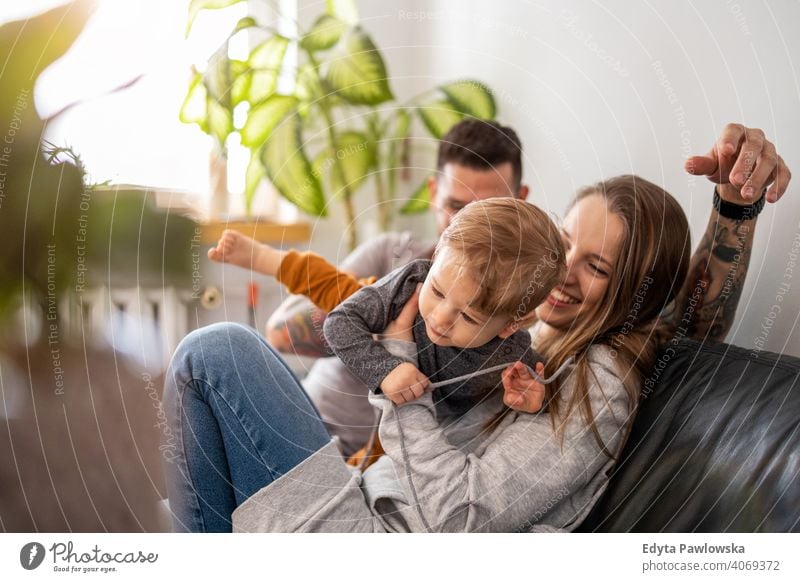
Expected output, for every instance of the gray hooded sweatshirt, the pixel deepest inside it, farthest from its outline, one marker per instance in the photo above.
(446, 474)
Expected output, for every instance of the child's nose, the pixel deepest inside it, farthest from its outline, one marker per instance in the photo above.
(442, 318)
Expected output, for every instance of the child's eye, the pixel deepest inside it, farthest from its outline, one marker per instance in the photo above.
(468, 319)
(436, 292)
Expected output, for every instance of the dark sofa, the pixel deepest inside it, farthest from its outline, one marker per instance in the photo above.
(715, 446)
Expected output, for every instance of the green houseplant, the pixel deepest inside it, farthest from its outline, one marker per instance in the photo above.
(339, 126)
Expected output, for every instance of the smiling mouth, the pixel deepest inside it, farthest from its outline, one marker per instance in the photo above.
(559, 298)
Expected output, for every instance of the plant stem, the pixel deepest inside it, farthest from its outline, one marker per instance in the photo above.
(352, 231)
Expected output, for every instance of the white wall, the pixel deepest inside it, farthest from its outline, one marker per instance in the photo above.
(599, 89)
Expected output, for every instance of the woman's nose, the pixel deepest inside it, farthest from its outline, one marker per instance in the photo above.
(571, 274)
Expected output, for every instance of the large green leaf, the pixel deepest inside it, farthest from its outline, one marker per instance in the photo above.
(471, 98)
(242, 77)
(265, 63)
(439, 117)
(194, 108)
(358, 74)
(244, 22)
(290, 171)
(220, 121)
(344, 10)
(420, 200)
(195, 6)
(254, 174)
(262, 119)
(308, 88)
(217, 78)
(354, 159)
(325, 33)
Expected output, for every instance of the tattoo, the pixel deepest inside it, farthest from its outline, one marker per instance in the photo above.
(709, 298)
(303, 333)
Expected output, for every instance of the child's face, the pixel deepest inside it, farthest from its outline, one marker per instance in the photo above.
(444, 304)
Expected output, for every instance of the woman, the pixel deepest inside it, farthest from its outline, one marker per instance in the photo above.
(264, 450)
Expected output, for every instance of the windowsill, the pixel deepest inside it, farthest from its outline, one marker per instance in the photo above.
(261, 228)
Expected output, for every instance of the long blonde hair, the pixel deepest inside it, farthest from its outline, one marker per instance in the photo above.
(631, 316)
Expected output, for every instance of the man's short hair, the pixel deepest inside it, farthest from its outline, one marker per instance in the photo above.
(482, 145)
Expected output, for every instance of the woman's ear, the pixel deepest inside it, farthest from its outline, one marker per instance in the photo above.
(510, 329)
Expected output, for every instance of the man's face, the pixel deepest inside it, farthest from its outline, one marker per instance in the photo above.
(456, 186)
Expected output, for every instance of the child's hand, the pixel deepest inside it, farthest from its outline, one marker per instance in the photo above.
(240, 250)
(404, 384)
(523, 393)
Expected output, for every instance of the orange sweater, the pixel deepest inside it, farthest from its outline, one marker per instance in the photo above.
(306, 273)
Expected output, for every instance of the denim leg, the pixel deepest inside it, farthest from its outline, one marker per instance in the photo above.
(239, 420)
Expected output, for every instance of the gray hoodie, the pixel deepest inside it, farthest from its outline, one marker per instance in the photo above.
(520, 477)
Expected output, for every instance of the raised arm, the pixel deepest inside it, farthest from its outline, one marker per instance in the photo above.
(744, 164)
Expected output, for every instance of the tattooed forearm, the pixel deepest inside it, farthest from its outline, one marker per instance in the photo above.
(708, 300)
(301, 334)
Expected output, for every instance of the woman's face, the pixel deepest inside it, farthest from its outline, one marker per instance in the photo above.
(592, 237)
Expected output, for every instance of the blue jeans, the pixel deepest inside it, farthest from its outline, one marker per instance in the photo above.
(239, 420)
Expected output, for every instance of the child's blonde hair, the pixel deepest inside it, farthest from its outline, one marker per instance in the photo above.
(513, 251)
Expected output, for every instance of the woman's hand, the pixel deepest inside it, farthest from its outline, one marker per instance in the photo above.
(743, 162)
(402, 327)
(522, 391)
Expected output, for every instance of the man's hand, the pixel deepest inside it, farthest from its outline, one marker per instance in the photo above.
(522, 391)
(404, 384)
(743, 161)
(402, 327)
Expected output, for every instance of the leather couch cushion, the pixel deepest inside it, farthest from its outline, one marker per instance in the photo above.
(715, 446)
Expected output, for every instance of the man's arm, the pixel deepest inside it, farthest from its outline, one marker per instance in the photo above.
(296, 328)
(744, 164)
(296, 325)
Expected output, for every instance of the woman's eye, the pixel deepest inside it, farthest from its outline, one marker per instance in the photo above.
(598, 270)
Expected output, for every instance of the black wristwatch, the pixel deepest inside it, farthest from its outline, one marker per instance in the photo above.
(737, 211)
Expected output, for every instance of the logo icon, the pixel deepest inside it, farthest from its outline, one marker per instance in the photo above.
(31, 555)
